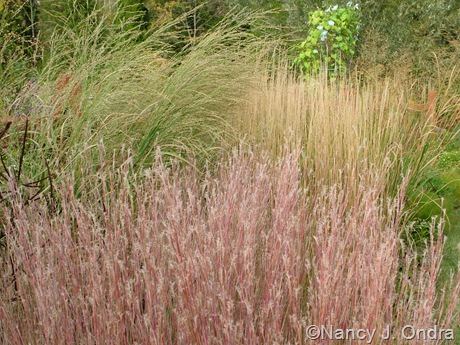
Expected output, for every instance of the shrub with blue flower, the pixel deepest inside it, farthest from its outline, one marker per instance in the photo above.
(331, 42)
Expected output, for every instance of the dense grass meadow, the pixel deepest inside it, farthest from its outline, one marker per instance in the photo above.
(163, 187)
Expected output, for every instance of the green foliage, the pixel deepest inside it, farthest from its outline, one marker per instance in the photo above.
(413, 22)
(438, 193)
(288, 15)
(134, 13)
(417, 233)
(19, 51)
(18, 23)
(331, 41)
(404, 36)
(58, 15)
(449, 159)
(193, 18)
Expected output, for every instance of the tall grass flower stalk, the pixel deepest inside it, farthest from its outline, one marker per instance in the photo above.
(243, 255)
(345, 126)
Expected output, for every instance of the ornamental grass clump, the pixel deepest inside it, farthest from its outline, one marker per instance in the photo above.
(349, 123)
(101, 82)
(240, 255)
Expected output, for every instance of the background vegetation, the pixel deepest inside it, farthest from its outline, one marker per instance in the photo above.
(170, 154)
